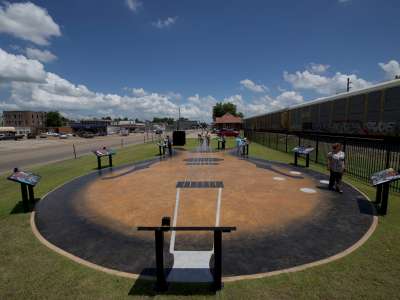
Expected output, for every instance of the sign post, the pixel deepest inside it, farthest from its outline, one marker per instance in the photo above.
(382, 182)
(301, 150)
(104, 152)
(161, 284)
(28, 181)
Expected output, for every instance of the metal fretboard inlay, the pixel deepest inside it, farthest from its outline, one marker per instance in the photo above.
(199, 184)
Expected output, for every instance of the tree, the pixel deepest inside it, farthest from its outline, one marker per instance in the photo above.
(169, 121)
(55, 119)
(221, 109)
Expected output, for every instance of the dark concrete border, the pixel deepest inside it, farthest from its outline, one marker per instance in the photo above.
(44, 234)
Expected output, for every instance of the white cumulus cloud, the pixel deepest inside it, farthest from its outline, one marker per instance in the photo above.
(19, 68)
(29, 22)
(391, 69)
(252, 86)
(324, 85)
(41, 55)
(318, 68)
(160, 24)
(133, 5)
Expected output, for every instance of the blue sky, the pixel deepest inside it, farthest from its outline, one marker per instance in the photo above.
(146, 58)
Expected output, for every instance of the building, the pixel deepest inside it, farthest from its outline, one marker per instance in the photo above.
(129, 126)
(91, 126)
(185, 124)
(228, 121)
(28, 121)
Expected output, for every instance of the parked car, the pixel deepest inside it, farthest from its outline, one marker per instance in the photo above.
(43, 136)
(228, 132)
(63, 136)
(31, 136)
(88, 135)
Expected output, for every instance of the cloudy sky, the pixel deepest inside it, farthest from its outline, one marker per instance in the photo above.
(146, 58)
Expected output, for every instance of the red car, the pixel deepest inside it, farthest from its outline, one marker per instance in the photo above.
(228, 132)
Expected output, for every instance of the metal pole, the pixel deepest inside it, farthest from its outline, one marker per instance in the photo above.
(31, 194)
(73, 146)
(98, 162)
(217, 259)
(385, 198)
(161, 284)
(25, 203)
(378, 197)
(348, 84)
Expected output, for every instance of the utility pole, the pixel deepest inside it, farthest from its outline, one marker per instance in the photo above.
(179, 117)
(348, 84)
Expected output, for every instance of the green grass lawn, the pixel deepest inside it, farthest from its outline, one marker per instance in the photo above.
(29, 270)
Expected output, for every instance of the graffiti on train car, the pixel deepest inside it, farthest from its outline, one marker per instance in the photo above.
(358, 127)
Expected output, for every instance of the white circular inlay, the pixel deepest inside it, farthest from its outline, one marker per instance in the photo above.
(295, 173)
(308, 190)
(279, 178)
(324, 181)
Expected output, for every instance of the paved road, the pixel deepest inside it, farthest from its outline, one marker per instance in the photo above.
(26, 153)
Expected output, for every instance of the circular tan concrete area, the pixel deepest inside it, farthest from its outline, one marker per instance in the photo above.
(251, 199)
(280, 224)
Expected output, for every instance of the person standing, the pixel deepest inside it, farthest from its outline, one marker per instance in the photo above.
(169, 145)
(208, 137)
(336, 167)
(223, 141)
(238, 141)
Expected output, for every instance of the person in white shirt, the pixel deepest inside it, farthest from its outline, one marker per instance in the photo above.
(336, 167)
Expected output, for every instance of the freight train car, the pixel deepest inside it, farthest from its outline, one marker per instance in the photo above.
(374, 111)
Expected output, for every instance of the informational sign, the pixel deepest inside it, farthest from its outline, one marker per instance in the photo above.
(384, 176)
(104, 152)
(24, 177)
(303, 150)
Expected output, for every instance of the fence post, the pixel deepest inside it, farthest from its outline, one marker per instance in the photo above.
(344, 144)
(286, 142)
(387, 146)
(277, 141)
(73, 146)
(316, 149)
